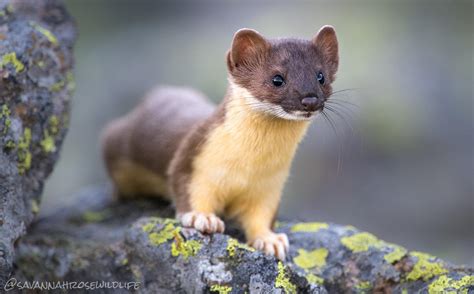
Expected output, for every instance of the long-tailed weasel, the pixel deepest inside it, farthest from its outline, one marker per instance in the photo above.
(232, 159)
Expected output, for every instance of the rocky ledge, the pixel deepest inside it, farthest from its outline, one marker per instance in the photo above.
(99, 239)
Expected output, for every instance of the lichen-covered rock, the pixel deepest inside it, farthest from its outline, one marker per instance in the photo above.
(36, 39)
(137, 241)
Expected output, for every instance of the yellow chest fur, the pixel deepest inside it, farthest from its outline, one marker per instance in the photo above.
(248, 155)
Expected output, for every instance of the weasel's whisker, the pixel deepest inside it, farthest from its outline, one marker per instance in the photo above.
(340, 146)
(342, 101)
(333, 110)
(344, 90)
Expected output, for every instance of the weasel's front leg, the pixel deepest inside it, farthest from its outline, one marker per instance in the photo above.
(257, 223)
(201, 214)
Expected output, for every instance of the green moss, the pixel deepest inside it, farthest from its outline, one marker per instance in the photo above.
(426, 267)
(5, 113)
(309, 227)
(310, 259)
(184, 248)
(48, 144)
(11, 58)
(282, 280)
(50, 36)
(24, 154)
(445, 284)
(313, 279)
(221, 289)
(234, 244)
(404, 291)
(124, 261)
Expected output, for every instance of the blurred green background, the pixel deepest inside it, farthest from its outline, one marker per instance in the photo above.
(405, 171)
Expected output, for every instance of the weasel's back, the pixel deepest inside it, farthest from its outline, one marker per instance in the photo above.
(139, 146)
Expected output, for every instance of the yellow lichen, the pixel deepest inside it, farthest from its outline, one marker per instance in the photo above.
(95, 216)
(313, 279)
(24, 154)
(445, 284)
(397, 253)
(11, 58)
(48, 144)
(148, 227)
(34, 206)
(9, 8)
(50, 36)
(71, 84)
(10, 144)
(363, 286)
(361, 242)
(166, 234)
(310, 259)
(57, 86)
(277, 224)
(184, 248)
(5, 113)
(233, 244)
(426, 267)
(221, 289)
(54, 124)
(282, 281)
(309, 227)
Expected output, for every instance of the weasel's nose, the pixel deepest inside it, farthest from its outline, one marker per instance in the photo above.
(312, 103)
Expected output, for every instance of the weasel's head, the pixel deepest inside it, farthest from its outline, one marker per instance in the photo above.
(287, 78)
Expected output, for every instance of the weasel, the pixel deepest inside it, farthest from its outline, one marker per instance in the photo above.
(231, 160)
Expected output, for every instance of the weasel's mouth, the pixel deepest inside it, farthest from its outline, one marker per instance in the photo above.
(301, 114)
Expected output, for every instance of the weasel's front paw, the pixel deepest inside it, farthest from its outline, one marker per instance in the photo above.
(203, 222)
(272, 244)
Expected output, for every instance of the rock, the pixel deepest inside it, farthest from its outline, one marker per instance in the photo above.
(101, 240)
(36, 39)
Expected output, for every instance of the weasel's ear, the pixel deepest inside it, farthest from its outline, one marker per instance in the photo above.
(326, 43)
(248, 48)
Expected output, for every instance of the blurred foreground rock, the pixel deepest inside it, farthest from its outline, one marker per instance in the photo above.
(36, 39)
(101, 240)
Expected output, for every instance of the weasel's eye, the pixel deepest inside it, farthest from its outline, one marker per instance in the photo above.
(320, 78)
(278, 81)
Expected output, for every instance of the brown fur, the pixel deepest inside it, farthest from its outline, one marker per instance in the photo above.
(147, 141)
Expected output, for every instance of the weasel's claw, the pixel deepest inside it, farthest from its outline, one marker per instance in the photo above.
(204, 222)
(272, 244)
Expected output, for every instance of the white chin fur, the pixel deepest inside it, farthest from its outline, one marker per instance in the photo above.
(267, 107)
(278, 111)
